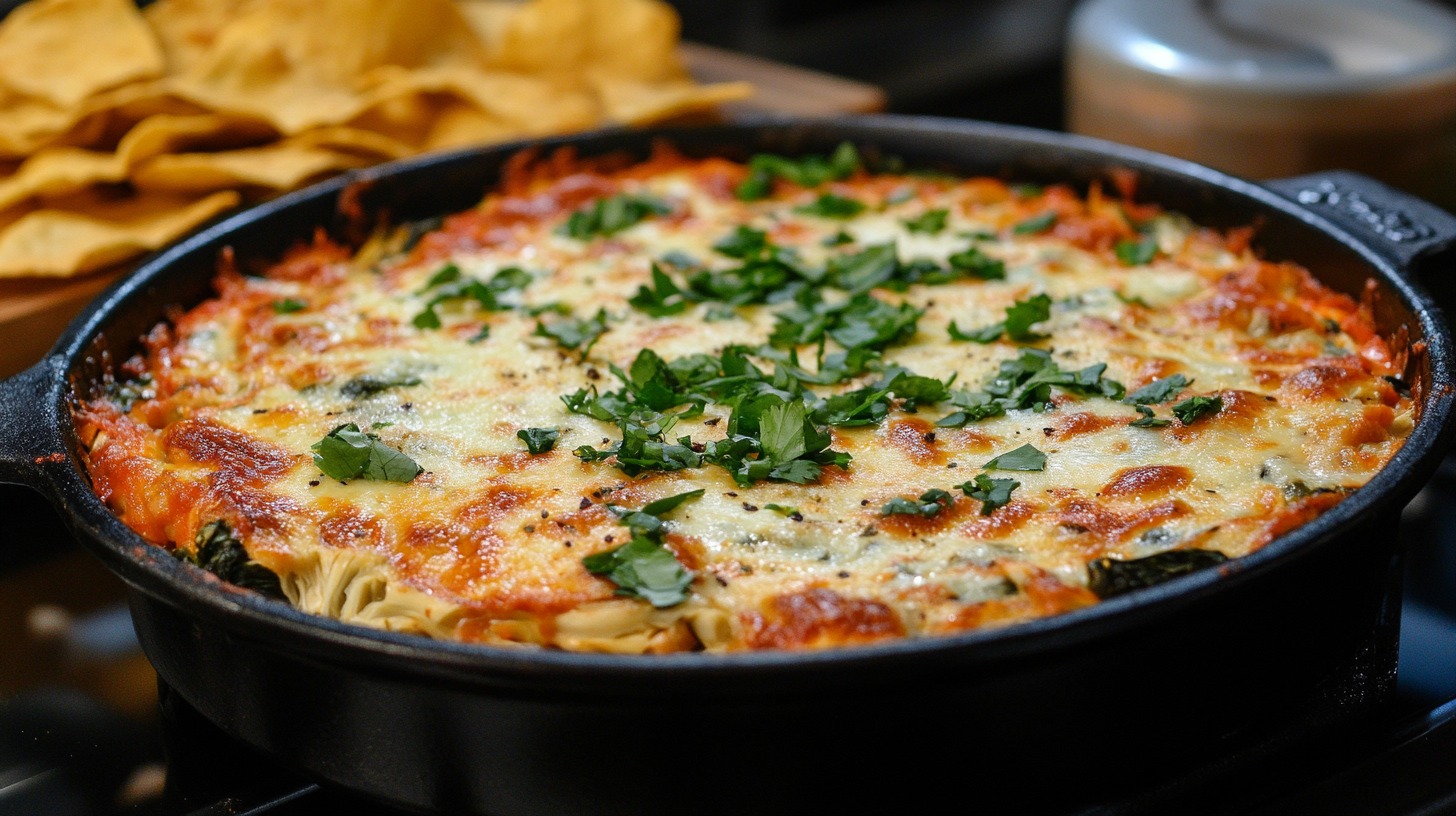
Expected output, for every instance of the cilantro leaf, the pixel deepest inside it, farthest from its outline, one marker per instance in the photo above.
(348, 453)
(829, 205)
(539, 440)
(1025, 457)
(1035, 224)
(929, 222)
(930, 503)
(1192, 409)
(1137, 253)
(991, 493)
(610, 215)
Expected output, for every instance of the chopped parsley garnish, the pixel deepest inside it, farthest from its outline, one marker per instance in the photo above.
(1026, 381)
(785, 510)
(288, 306)
(991, 493)
(1020, 317)
(742, 242)
(974, 263)
(864, 270)
(662, 299)
(1158, 391)
(829, 205)
(539, 440)
(773, 438)
(611, 215)
(1192, 409)
(930, 503)
(1035, 224)
(644, 567)
(929, 222)
(349, 453)
(644, 445)
(1025, 457)
(449, 284)
(663, 506)
(575, 334)
(838, 239)
(1155, 392)
(805, 171)
(1137, 253)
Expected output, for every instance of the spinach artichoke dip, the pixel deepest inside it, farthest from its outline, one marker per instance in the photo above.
(789, 403)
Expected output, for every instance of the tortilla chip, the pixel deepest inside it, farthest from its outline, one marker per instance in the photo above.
(646, 103)
(95, 234)
(304, 72)
(275, 167)
(63, 51)
(630, 39)
(59, 170)
(187, 29)
(356, 141)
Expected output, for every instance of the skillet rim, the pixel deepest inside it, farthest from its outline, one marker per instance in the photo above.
(153, 571)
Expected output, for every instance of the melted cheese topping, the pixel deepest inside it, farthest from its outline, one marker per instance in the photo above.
(487, 543)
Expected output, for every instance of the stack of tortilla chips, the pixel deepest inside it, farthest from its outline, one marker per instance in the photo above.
(121, 130)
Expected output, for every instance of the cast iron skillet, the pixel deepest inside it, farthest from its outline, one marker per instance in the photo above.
(1028, 715)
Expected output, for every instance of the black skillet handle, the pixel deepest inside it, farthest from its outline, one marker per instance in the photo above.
(1410, 232)
(29, 441)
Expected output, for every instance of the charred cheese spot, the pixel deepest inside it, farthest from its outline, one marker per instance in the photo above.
(1147, 480)
(805, 619)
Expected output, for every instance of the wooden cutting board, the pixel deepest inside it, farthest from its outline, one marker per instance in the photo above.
(33, 312)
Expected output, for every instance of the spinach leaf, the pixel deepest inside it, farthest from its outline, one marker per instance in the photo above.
(367, 385)
(1109, 577)
(218, 552)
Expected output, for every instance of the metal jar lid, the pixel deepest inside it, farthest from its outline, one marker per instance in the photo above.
(1268, 88)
